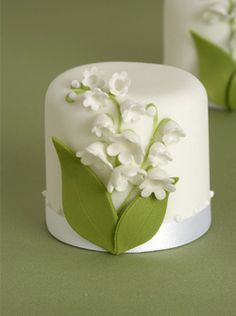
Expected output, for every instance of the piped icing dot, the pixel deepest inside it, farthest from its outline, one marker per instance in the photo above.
(212, 193)
(178, 218)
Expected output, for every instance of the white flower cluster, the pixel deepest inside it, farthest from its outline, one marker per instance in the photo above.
(220, 11)
(224, 11)
(120, 151)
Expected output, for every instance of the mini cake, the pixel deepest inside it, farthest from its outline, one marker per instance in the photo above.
(127, 157)
(200, 37)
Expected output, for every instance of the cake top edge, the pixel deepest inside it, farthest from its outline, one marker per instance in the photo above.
(131, 67)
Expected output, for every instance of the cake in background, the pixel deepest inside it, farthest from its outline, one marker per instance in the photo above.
(200, 37)
(127, 167)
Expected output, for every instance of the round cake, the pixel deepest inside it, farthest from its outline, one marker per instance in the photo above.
(200, 37)
(127, 157)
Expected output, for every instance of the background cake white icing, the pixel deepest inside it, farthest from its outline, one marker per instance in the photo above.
(183, 16)
(177, 94)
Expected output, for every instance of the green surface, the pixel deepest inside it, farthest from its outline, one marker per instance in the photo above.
(44, 277)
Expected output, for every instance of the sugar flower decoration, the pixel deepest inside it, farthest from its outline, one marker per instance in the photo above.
(151, 109)
(75, 84)
(131, 111)
(220, 11)
(159, 155)
(95, 99)
(93, 78)
(157, 182)
(119, 84)
(95, 154)
(122, 175)
(126, 146)
(121, 151)
(103, 125)
(170, 132)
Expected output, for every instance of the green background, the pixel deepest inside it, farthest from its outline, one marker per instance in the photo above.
(41, 276)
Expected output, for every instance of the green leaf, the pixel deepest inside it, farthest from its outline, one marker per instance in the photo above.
(215, 70)
(232, 91)
(139, 222)
(87, 205)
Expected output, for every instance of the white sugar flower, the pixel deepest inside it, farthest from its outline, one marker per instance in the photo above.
(119, 84)
(93, 78)
(159, 155)
(103, 125)
(123, 175)
(94, 154)
(151, 109)
(95, 99)
(157, 182)
(72, 96)
(131, 111)
(170, 132)
(75, 84)
(127, 146)
(220, 11)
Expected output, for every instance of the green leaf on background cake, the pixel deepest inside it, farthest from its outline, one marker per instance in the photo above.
(87, 205)
(232, 91)
(215, 70)
(139, 222)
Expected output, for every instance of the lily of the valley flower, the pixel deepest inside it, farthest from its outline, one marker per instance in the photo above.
(75, 84)
(159, 155)
(126, 146)
(170, 132)
(119, 84)
(95, 154)
(95, 99)
(123, 175)
(103, 125)
(93, 78)
(151, 109)
(220, 11)
(131, 111)
(158, 182)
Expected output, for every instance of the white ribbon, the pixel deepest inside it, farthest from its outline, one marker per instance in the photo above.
(170, 235)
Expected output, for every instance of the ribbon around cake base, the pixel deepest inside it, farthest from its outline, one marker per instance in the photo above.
(170, 235)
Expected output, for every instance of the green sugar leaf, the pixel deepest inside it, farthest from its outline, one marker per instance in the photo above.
(139, 222)
(215, 71)
(232, 91)
(87, 205)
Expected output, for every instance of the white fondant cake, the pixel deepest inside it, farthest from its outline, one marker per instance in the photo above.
(177, 95)
(205, 17)
(200, 37)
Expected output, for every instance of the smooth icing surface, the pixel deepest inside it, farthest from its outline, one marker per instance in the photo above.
(177, 94)
(181, 17)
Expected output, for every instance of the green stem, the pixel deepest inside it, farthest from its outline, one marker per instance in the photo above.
(152, 141)
(117, 105)
(135, 190)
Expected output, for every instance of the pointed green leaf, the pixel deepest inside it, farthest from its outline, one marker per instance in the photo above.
(232, 91)
(139, 222)
(215, 69)
(87, 205)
